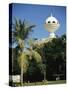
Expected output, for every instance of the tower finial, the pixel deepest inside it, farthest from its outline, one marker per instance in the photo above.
(51, 14)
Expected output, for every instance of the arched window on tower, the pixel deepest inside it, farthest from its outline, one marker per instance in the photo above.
(53, 22)
(49, 22)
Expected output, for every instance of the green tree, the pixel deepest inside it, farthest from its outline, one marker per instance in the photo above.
(20, 32)
(23, 63)
(55, 52)
(40, 49)
(53, 55)
(43, 70)
(35, 61)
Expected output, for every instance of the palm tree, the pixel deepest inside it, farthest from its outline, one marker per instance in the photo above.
(43, 70)
(20, 32)
(23, 64)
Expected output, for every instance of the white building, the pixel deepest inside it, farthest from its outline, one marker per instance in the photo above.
(51, 25)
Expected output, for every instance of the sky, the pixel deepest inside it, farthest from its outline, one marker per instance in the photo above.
(37, 14)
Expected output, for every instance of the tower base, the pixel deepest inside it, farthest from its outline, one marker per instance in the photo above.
(52, 35)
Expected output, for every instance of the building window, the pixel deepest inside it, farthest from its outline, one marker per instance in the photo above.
(53, 21)
(48, 21)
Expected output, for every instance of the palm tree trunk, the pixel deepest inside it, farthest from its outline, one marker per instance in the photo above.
(21, 77)
(44, 76)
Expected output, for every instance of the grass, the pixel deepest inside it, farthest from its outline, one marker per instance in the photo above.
(57, 82)
(45, 83)
(41, 83)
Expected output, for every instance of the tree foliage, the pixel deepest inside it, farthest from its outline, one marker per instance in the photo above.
(53, 56)
(46, 61)
(23, 62)
(21, 31)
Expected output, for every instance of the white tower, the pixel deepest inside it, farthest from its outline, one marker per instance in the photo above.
(52, 24)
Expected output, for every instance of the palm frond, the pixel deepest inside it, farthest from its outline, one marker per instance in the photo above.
(21, 30)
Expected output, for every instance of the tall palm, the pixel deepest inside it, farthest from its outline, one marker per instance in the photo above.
(20, 32)
(23, 64)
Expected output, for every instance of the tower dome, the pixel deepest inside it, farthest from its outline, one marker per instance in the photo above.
(52, 24)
